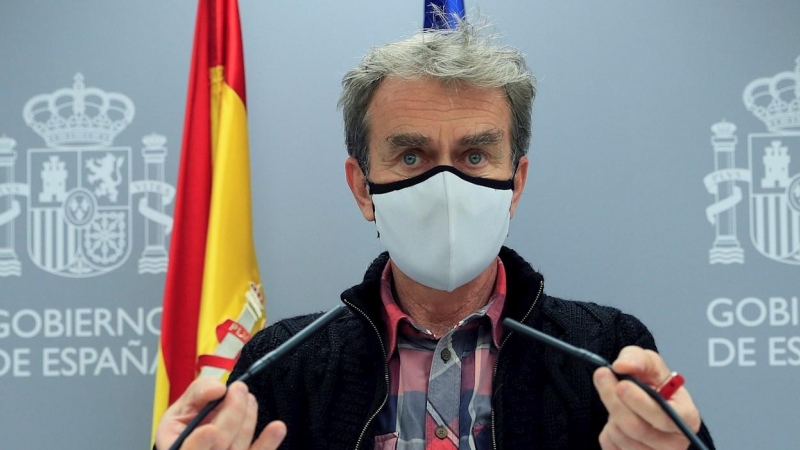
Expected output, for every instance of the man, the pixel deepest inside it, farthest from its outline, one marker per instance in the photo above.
(437, 128)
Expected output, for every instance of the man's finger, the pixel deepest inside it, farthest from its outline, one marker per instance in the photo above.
(245, 436)
(200, 392)
(618, 436)
(271, 437)
(625, 429)
(202, 438)
(231, 413)
(646, 365)
(605, 440)
(645, 407)
(605, 382)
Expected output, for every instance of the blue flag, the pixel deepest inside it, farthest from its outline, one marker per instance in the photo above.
(436, 20)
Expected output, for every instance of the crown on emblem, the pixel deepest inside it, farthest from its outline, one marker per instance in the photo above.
(154, 141)
(776, 101)
(7, 144)
(78, 116)
(723, 129)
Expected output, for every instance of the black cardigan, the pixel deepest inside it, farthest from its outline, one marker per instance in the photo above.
(331, 388)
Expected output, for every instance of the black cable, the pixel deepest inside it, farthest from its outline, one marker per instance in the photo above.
(261, 364)
(599, 361)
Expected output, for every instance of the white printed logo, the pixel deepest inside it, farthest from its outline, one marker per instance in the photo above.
(80, 190)
(773, 174)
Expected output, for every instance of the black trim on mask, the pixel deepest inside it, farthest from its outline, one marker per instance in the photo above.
(385, 188)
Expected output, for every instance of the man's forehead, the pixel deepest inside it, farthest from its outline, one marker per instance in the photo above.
(447, 86)
(399, 100)
(425, 113)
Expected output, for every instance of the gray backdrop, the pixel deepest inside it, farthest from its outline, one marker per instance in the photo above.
(614, 212)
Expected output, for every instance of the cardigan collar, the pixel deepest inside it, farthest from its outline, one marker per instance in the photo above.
(522, 281)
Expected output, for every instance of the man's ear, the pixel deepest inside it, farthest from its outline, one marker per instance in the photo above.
(358, 186)
(520, 177)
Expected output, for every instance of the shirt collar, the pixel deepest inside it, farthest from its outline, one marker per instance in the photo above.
(393, 316)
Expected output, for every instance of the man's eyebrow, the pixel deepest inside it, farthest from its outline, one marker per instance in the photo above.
(482, 139)
(404, 140)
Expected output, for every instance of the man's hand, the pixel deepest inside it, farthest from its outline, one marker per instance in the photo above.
(229, 427)
(635, 421)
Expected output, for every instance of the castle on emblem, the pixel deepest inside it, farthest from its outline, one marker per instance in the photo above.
(773, 178)
(776, 166)
(54, 177)
(80, 188)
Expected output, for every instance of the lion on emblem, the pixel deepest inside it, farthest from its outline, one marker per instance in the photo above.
(107, 171)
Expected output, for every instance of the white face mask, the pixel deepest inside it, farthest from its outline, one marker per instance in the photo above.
(443, 228)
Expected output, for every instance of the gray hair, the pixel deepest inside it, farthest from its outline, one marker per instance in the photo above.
(460, 56)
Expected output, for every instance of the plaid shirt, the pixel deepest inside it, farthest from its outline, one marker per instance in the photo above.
(439, 388)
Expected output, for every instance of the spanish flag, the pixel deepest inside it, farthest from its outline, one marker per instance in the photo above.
(212, 299)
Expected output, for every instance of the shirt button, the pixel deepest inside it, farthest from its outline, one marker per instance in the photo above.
(446, 355)
(441, 432)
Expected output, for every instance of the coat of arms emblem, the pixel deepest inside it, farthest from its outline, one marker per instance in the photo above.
(773, 175)
(80, 190)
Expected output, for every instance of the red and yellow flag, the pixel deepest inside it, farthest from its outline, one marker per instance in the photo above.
(212, 299)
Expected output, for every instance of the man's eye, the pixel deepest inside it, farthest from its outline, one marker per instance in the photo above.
(410, 159)
(475, 158)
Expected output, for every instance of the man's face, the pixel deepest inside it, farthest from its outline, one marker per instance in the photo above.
(416, 125)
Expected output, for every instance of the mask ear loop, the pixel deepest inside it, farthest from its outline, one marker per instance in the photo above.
(513, 188)
(377, 232)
